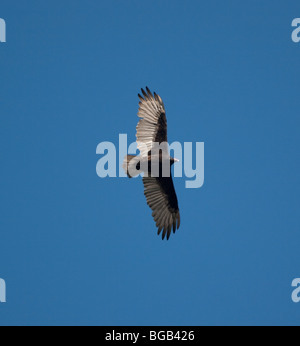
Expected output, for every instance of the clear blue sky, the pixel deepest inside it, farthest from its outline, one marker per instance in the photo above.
(77, 249)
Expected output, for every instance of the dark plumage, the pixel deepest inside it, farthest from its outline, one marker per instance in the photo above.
(158, 189)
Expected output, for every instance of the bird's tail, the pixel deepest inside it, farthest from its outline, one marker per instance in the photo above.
(130, 164)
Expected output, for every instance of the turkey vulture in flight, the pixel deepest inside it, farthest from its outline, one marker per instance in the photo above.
(158, 188)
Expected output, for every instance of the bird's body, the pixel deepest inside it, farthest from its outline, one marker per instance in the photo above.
(155, 161)
(153, 164)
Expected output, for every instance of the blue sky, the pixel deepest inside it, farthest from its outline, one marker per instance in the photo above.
(79, 250)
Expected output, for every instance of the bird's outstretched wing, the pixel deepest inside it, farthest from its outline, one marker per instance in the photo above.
(161, 198)
(153, 125)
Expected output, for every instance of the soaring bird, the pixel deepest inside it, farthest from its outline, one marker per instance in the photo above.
(158, 186)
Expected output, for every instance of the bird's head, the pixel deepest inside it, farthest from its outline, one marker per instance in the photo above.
(173, 160)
